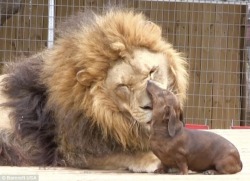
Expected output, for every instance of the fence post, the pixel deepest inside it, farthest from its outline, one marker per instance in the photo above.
(51, 23)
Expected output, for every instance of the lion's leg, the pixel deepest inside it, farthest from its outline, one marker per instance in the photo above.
(138, 162)
(8, 155)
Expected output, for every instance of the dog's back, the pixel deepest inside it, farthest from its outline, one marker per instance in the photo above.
(206, 150)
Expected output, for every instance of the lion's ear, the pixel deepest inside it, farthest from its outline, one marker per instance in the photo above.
(117, 46)
(82, 78)
(149, 25)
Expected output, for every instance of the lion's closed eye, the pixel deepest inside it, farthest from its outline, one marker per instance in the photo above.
(123, 91)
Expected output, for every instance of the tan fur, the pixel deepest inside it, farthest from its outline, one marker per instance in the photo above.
(96, 56)
(85, 71)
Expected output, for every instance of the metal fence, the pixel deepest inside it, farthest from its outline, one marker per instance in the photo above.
(213, 34)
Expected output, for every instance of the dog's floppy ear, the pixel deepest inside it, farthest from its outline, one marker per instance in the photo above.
(181, 117)
(172, 122)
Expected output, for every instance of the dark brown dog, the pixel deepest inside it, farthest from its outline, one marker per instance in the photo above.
(186, 149)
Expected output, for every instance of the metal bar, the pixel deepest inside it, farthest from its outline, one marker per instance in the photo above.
(51, 23)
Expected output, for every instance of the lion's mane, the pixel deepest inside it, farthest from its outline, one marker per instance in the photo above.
(63, 121)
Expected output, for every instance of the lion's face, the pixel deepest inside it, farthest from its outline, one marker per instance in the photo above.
(99, 70)
(127, 79)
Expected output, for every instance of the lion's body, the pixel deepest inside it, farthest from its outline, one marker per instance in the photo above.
(83, 103)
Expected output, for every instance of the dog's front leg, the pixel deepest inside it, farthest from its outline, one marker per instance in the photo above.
(183, 167)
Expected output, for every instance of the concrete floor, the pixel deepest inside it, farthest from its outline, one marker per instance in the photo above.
(241, 139)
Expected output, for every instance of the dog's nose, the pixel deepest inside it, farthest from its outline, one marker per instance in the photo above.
(150, 83)
(152, 87)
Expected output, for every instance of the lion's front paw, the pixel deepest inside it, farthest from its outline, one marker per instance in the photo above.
(149, 168)
(145, 163)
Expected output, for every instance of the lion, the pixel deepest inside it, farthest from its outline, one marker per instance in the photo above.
(83, 103)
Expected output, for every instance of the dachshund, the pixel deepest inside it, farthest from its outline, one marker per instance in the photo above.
(186, 149)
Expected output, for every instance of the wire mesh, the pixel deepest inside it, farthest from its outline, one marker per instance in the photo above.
(214, 35)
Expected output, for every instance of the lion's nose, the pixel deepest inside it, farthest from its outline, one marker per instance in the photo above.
(148, 106)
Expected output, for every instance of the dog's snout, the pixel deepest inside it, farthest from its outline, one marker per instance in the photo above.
(153, 87)
(150, 86)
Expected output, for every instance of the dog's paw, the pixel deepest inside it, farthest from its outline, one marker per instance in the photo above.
(210, 172)
(160, 171)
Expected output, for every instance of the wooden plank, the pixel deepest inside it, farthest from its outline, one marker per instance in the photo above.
(207, 63)
(144, 6)
(8, 36)
(26, 32)
(155, 12)
(233, 56)
(219, 118)
(244, 56)
(169, 30)
(38, 24)
(181, 27)
(162, 13)
(192, 109)
(100, 5)
(65, 8)
(31, 29)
